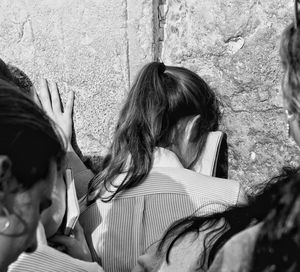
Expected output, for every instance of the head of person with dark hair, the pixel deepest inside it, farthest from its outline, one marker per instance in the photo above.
(52, 218)
(163, 102)
(31, 153)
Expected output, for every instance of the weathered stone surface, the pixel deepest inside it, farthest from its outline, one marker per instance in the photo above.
(92, 47)
(140, 34)
(96, 47)
(234, 45)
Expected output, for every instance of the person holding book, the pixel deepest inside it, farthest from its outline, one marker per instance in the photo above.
(30, 140)
(31, 154)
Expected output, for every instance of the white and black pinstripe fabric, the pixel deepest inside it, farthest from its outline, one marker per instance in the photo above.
(122, 229)
(47, 259)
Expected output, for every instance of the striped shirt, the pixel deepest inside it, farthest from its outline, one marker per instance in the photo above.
(123, 228)
(47, 259)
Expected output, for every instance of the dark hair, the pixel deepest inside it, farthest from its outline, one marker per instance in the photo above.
(290, 58)
(160, 97)
(5, 74)
(277, 247)
(220, 227)
(28, 137)
(15, 76)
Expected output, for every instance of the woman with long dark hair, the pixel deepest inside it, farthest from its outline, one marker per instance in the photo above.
(32, 162)
(147, 179)
(146, 182)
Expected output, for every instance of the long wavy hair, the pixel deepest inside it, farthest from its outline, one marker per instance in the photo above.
(160, 97)
(220, 227)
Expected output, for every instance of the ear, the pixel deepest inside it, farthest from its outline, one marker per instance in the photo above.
(184, 131)
(5, 172)
(189, 128)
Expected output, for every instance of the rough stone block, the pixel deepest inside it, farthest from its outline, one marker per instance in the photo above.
(92, 47)
(234, 46)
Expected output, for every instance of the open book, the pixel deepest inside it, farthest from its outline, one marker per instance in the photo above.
(214, 158)
(72, 207)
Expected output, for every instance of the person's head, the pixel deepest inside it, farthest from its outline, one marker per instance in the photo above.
(290, 58)
(52, 217)
(164, 105)
(31, 153)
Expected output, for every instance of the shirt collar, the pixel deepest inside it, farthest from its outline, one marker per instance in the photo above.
(163, 157)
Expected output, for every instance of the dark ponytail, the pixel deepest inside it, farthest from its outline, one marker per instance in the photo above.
(160, 97)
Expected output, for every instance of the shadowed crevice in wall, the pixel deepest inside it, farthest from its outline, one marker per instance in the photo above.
(160, 10)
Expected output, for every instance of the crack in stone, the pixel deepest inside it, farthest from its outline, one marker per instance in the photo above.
(273, 109)
(22, 29)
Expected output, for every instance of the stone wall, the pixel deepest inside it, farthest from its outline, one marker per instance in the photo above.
(96, 47)
(234, 46)
(92, 47)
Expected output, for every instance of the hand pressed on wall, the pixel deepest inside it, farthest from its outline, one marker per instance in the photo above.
(48, 97)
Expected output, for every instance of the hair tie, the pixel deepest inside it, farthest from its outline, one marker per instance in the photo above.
(161, 68)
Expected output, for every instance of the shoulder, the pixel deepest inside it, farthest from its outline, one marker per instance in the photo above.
(207, 188)
(201, 191)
